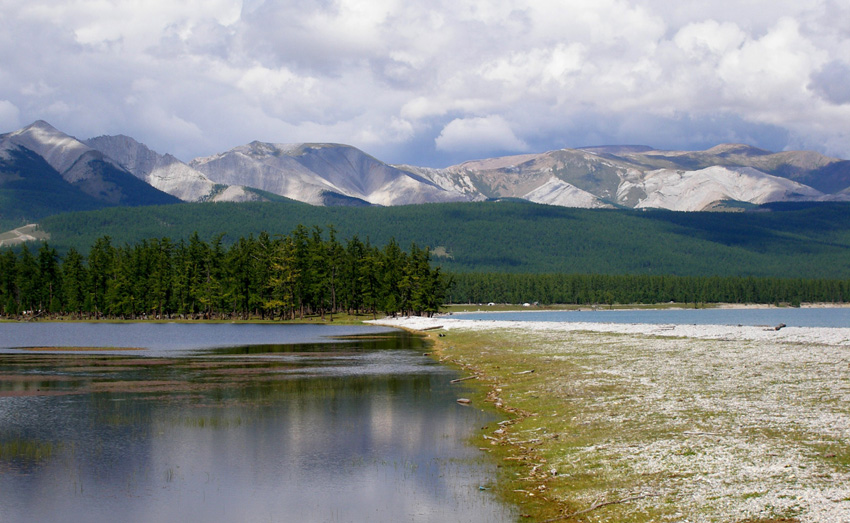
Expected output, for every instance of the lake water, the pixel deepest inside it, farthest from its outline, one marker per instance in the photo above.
(172, 339)
(204, 422)
(796, 317)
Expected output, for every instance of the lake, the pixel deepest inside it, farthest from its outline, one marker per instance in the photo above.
(234, 422)
(791, 316)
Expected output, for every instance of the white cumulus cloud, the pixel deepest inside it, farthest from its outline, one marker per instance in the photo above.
(485, 134)
(431, 83)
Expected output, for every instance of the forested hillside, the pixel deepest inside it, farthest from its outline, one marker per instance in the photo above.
(782, 240)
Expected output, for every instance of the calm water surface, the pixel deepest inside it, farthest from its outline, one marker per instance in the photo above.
(797, 317)
(234, 423)
(169, 338)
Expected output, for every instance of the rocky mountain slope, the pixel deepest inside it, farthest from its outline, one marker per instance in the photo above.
(44, 171)
(110, 170)
(828, 175)
(701, 189)
(315, 173)
(86, 168)
(640, 177)
(167, 173)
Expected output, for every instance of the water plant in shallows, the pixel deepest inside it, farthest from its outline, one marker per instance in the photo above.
(22, 449)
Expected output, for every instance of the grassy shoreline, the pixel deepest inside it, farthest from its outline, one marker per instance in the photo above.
(635, 428)
(518, 464)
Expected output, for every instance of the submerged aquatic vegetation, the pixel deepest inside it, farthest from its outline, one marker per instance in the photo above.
(20, 449)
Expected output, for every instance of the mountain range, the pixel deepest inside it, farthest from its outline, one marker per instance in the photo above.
(44, 171)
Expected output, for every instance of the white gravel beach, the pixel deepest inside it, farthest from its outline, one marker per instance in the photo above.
(819, 335)
(746, 423)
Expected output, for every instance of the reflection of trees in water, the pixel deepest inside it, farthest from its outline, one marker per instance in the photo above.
(116, 402)
(245, 425)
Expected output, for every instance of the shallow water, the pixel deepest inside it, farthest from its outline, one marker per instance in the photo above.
(795, 317)
(170, 338)
(348, 430)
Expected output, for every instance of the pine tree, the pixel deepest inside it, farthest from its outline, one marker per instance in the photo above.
(283, 277)
(26, 281)
(74, 282)
(160, 278)
(100, 270)
(8, 283)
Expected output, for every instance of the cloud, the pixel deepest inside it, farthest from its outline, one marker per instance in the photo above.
(412, 81)
(832, 82)
(491, 133)
(709, 38)
(771, 68)
(10, 115)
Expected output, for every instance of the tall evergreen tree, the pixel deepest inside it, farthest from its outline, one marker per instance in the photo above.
(49, 283)
(8, 283)
(74, 282)
(26, 281)
(100, 270)
(160, 278)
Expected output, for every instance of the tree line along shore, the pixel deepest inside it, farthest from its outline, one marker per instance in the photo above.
(311, 273)
(306, 273)
(601, 289)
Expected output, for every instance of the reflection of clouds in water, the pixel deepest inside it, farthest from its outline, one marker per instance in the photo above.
(346, 455)
(361, 364)
(374, 446)
(170, 337)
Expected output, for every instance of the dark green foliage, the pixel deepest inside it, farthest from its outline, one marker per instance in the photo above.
(9, 294)
(74, 282)
(26, 281)
(586, 289)
(788, 241)
(305, 273)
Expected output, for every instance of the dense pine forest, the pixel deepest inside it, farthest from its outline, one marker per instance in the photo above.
(308, 272)
(311, 273)
(581, 289)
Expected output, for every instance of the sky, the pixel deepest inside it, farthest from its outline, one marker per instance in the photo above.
(432, 83)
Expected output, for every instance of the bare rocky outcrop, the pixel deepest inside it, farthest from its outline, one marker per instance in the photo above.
(727, 176)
